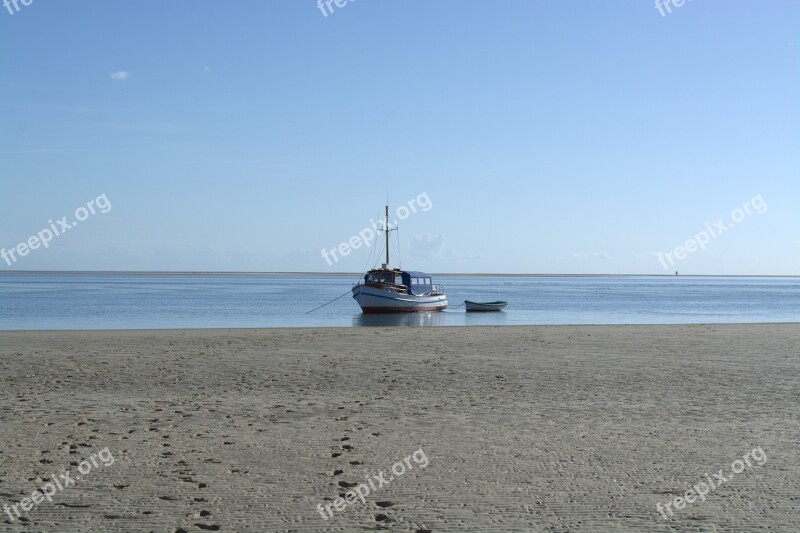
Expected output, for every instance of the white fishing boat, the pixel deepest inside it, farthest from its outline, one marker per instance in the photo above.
(387, 290)
(484, 306)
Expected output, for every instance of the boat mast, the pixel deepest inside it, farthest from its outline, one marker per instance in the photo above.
(386, 228)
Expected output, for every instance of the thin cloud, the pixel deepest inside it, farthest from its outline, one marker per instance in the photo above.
(120, 75)
(591, 255)
(428, 246)
(42, 151)
(163, 126)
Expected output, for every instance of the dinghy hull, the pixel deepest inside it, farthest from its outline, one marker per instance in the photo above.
(484, 306)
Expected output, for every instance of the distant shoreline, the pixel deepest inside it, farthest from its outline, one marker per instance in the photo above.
(358, 274)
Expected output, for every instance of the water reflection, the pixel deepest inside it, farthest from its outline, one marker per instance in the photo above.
(401, 319)
(491, 318)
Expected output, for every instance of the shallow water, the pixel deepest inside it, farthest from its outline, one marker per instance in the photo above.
(126, 301)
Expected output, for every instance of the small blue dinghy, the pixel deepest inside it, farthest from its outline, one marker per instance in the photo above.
(484, 306)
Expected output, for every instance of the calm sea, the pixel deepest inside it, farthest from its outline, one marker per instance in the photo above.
(117, 301)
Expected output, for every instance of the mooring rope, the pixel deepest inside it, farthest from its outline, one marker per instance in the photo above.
(323, 305)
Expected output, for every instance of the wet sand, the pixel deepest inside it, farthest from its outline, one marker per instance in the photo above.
(556, 428)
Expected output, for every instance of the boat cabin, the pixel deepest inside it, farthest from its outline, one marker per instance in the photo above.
(416, 283)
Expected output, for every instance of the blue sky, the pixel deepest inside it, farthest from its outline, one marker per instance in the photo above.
(549, 137)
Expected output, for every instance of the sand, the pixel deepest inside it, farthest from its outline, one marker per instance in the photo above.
(556, 428)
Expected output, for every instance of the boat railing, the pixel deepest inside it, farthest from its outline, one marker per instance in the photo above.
(437, 289)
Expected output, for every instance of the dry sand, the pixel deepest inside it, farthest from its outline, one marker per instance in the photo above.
(557, 428)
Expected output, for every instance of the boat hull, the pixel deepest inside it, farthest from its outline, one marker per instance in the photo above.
(376, 300)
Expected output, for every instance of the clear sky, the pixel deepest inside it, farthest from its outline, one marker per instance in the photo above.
(542, 136)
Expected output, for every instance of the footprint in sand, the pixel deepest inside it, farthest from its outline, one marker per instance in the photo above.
(74, 505)
(346, 484)
(384, 504)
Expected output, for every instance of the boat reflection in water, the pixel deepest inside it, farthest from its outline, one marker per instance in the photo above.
(400, 319)
(486, 319)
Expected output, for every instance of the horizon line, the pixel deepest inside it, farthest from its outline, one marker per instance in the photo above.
(349, 274)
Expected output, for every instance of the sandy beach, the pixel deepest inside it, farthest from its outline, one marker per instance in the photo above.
(555, 428)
